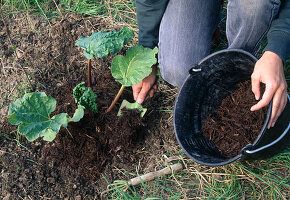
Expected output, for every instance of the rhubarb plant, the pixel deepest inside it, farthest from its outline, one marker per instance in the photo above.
(85, 97)
(32, 115)
(131, 106)
(132, 68)
(101, 44)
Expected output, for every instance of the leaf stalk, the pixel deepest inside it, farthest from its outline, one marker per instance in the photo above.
(116, 98)
(89, 73)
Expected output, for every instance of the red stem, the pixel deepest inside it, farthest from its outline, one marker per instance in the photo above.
(116, 98)
(89, 74)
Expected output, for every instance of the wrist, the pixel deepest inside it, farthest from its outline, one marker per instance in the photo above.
(272, 56)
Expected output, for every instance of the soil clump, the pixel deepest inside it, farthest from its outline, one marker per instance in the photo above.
(233, 126)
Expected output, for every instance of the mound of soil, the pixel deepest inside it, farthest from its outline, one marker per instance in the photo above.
(234, 125)
(87, 146)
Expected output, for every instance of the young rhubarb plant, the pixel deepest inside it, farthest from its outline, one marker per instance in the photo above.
(101, 44)
(86, 97)
(32, 114)
(133, 68)
(131, 106)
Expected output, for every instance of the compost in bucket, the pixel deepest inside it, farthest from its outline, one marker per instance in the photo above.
(233, 125)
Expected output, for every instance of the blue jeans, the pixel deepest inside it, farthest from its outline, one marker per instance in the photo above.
(187, 28)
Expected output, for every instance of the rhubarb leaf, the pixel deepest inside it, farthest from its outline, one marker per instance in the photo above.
(32, 114)
(79, 113)
(86, 97)
(130, 106)
(135, 66)
(100, 44)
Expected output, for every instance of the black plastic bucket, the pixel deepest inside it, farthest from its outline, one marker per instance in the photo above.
(208, 83)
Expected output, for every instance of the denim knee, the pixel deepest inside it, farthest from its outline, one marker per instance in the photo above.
(248, 22)
(173, 73)
(185, 36)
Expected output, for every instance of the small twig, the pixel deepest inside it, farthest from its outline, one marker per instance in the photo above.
(6, 29)
(69, 133)
(89, 136)
(57, 7)
(152, 175)
(4, 152)
(172, 158)
(4, 72)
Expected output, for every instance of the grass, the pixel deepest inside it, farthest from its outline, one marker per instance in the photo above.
(117, 10)
(14, 138)
(268, 179)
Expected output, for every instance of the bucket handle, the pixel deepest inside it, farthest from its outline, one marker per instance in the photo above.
(270, 144)
(195, 68)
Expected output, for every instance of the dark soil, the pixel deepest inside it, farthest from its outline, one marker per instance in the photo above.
(234, 125)
(88, 155)
(87, 146)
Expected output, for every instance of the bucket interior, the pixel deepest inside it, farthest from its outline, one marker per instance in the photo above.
(203, 91)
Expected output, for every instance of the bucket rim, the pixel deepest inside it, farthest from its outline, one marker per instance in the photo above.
(250, 150)
(239, 156)
(228, 50)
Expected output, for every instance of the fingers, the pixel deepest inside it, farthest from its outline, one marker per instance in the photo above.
(151, 92)
(145, 89)
(155, 87)
(282, 107)
(275, 108)
(136, 90)
(267, 96)
(255, 86)
(279, 104)
(143, 94)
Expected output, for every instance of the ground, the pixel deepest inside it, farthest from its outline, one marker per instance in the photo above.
(56, 65)
(45, 56)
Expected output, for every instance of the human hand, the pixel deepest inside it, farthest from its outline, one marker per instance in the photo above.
(145, 89)
(269, 70)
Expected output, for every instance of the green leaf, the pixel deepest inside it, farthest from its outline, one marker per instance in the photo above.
(79, 113)
(131, 106)
(86, 97)
(78, 91)
(59, 120)
(100, 44)
(135, 66)
(32, 107)
(32, 114)
(48, 135)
